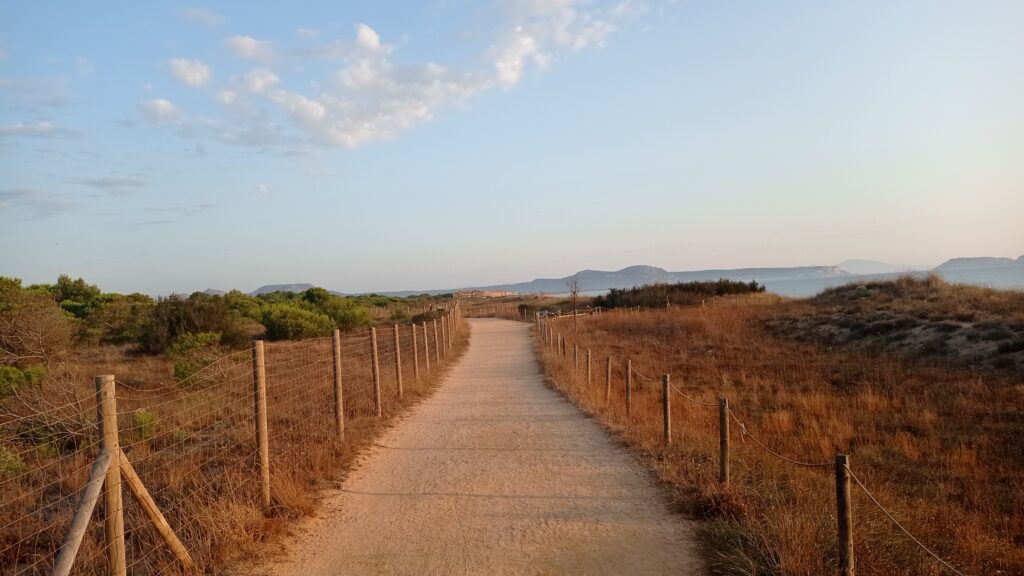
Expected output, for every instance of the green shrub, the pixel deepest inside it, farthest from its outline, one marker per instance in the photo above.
(184, 369)
(657, 295)
(288, 322)
(33, 328)
(187, 343)
(145, 423)
(11, 378)
(11, 463)
(427, 316)
(175, 316)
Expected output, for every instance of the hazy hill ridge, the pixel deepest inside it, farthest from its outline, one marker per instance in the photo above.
(981, 262)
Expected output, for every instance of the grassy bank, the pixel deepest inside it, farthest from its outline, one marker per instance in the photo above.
(939, 446)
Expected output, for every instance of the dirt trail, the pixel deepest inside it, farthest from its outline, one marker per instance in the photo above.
(495, 474)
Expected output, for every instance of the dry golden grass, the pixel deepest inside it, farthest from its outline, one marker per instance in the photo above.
(193, 445)
(941, 448)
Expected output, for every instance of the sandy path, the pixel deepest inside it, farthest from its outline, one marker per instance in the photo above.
(495, 474)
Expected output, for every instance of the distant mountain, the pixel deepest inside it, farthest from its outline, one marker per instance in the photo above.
(599, 280)
(214, 292)
(975, 263)
(873, 267)
(281, 288)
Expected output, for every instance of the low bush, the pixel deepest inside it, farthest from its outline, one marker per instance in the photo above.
(681, 293)
(33, 328)
(11, 378)
(287, 322)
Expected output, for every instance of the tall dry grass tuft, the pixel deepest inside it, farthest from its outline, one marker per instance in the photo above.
(193, 444)
(939, 447)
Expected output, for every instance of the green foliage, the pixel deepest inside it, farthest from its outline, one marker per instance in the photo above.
(247, 306)
(185, 369)
(11, 463)
(176, 316)
(118, 318)
(427, 316)
(288, 322)
(76, 297)
(657, 295)
(184, 344)
(145, 423)
(11, 378)
(33, 328)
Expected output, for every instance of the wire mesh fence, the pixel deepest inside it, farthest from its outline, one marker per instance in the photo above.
(192, 447)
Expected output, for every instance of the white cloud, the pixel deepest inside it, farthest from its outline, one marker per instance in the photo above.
(260, 79)
(250, 48)
(543, 27)
(308, 33)
(367, 37)
(29, 129)
(194, 73)
(368, 96)
(201, 16)
(160, 110)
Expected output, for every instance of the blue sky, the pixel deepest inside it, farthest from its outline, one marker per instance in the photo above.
(163, 147)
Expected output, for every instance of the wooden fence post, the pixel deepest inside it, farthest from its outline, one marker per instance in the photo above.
(444, 336)
(145, 500)
(339, 401)
(844, 515)
(437, 344)
(398, 360)
(80, 520)
(723, 440)
(259, 393)
(666, 403)
(106, 413)
(575, 357)
(588, 368)
(376, 373)
(426, 347)
(451, 330)
(608, 382)
(415, 357)
(629, 388)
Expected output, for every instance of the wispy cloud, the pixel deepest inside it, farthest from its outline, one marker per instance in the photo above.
(41, 129)
(36, 203)
(250, 48)
(369, 96)
(194, 73)
(160, 110)
(201, 16)
(308, 33)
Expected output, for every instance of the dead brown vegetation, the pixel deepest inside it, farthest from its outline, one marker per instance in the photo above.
(193, 445)
(939, 447)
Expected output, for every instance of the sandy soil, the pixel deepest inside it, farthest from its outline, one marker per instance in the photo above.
(495, 474)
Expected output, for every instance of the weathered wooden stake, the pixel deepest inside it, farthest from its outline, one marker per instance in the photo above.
(259, 396)
(398, 360)
(629, 388)
(666, 403)
(80, 521)
(339, 401)
(106, 412)
(426, 347)
(723, 440)
(444, 336)
(575, 357)
(138, 489)
(437, 344)
(415, 357)
(608, 381)
(844, 515)
(376, 373)
(588, 368)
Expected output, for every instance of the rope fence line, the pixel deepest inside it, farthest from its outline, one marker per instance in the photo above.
(549, 337)
(900, 526)
(196, 444)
